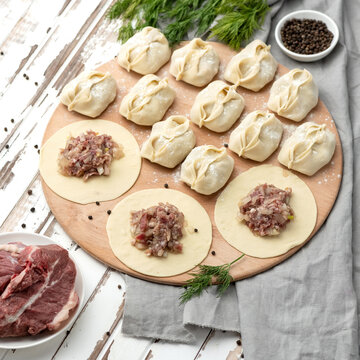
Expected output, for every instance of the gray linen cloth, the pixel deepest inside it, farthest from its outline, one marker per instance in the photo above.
(304, 308)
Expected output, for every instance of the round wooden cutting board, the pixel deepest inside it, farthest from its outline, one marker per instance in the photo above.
(91, 234)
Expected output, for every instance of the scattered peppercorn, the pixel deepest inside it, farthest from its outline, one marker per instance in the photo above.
(196, 230)
(12, 120)
(23, 226)
(226, 145)
(39, 151)
(119, 286)
(306, 36)
(166, 186)
(5, 129)
(36, 146)
(27, 78)
(213, 253)
(108, 333)
(238, 342)
(7, 146)
(97, 203)
(36, 83)
(67, 332)
(90, 217)
(2, 53)
(32, 209)
(242, 356)
(109, 212)
(30, 192)
(24, 75)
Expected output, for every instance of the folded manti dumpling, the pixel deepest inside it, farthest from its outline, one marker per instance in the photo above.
(147, 102)
(206, 169)
(293, 95)
(196, 63)
(169, 142)
(257, 136)
(217, 107)
(308, 149)
(253, 67)
(90, 93)
(145, 52)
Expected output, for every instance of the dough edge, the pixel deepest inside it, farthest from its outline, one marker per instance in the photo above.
(194, 252)
(239, 235)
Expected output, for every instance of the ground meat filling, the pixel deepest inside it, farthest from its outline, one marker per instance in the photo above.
(157, 229)
(88, 154)
(266, 210)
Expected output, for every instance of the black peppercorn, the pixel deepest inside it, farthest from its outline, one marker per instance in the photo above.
(5, 129)
(226, 145)
(166, 186)
(38, 151)
(119, 286)
(36, 83)
(36, 146)
(306, 36)
(238, 342)
(23, 226)
(109, 212)
(90, 217)
(196, 230)
(7, 146)
(12, 120)
(32, 209)
(97, 203)
(29, 192)
(213, 253)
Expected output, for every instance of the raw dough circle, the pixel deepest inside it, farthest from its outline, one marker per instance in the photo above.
(124, 171)
(196, 245)
(240, 236)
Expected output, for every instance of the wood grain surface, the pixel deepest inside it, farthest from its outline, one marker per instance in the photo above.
(91, 235)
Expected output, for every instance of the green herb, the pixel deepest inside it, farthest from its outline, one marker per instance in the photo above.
(239, 18)
(290, 217)
(203, 279)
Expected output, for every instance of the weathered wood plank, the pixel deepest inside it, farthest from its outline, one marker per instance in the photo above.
(221, 345)
(160, 350)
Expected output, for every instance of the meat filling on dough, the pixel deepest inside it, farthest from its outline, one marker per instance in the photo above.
(88, 154)
(266, 210)
(158, 229)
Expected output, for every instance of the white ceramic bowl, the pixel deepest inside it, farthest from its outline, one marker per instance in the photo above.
(29, 341)
(308, 14)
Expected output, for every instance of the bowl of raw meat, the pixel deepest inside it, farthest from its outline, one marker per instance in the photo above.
(41, 290)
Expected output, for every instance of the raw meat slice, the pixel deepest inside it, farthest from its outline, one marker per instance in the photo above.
(40, 292)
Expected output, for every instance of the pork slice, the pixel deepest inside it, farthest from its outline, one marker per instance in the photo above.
(48, 288)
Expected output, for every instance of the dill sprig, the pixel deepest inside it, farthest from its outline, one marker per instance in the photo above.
(238, 19)
(201, 280)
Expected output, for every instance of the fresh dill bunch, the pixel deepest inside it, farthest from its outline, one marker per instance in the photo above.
(137, 14)
(118, 9)
(201, 280)
(240, 19)
(184, 15)
(126, 32)
(175, 32)
(206, 15)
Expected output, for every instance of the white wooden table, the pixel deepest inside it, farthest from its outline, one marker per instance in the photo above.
(44, 44)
